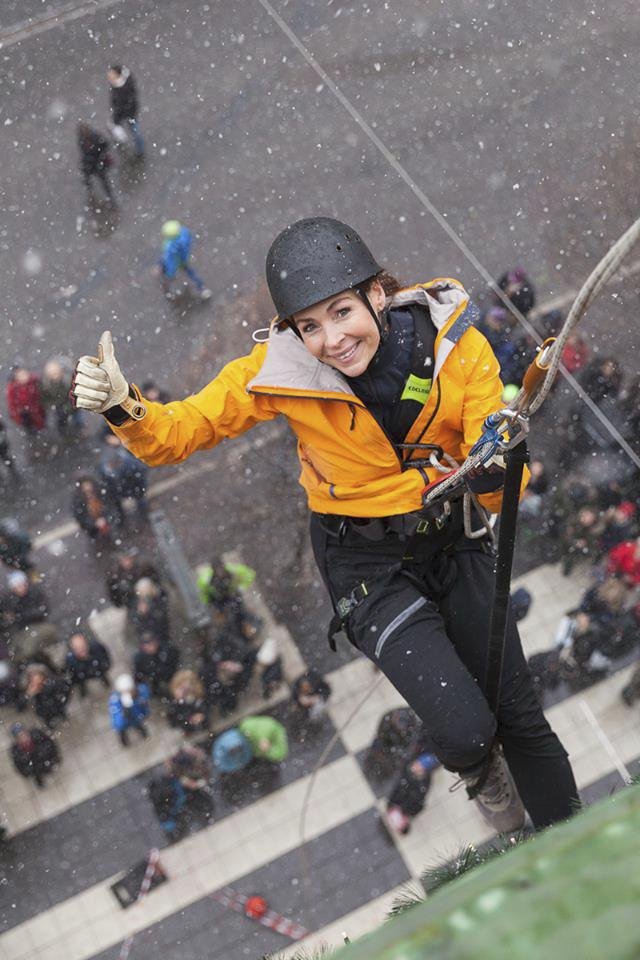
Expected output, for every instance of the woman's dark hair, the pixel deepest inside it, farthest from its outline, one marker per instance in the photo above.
(117, 68)
(388, 282)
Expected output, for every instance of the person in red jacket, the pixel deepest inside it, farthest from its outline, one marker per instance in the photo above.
(24, 399)
(624, 561)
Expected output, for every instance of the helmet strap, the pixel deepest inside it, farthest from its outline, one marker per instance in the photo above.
(364, 296)
(292, 326)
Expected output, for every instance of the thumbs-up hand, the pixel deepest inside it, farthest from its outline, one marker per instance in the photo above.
(98, 383)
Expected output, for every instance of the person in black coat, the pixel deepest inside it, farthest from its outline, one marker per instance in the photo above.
(149, 612)
(187, 708)
(24, 603)
(94, 158)
(25, 627)
(47, 692)
(122, 577)
(95, 509)
(309, 695)
(123, 475)
(33, 752)
(11, 693)
(409, 792)
(123, 95)
(15, 544)
(154, 663)
(8, 467)
(518, 287)
(87, 659)
(226, 670)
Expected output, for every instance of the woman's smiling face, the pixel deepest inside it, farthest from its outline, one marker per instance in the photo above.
(341, 332)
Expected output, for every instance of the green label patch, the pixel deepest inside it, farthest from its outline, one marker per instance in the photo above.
(416, 389)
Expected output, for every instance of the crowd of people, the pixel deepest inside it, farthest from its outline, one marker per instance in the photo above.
(40, 672)
(585, 518)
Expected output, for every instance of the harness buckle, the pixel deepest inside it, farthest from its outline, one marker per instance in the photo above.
(345, 605)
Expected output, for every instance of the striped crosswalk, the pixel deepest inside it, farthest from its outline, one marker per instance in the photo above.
(261, 843)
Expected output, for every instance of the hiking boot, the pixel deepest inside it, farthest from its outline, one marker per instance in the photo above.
(496, 795)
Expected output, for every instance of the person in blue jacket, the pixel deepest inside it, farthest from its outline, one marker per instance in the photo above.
(176, 250)
(129, 707)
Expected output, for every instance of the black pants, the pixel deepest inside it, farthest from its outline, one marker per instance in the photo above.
(432, 646)
(101, 174)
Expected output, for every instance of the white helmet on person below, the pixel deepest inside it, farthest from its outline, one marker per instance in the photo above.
(124, 683)
(125, 686)
(171, 229)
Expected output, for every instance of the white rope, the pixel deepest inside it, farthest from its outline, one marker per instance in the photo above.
(587, 294)
(302, 824)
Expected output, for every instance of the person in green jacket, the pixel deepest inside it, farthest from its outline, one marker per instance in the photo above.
(268, 738)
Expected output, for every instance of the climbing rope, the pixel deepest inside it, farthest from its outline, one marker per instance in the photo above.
(302, 824)
(507, 427)
(589, 291)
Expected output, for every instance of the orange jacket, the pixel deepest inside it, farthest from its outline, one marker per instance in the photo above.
(348, 464)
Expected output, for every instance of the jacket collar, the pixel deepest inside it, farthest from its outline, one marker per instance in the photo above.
(289, 366)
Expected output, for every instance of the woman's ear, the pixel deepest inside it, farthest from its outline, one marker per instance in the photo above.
(377, 296)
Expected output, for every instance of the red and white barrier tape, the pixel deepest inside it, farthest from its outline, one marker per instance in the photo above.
(152, 864)
(234, 900)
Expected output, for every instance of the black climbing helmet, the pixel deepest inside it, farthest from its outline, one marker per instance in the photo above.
(313, 259)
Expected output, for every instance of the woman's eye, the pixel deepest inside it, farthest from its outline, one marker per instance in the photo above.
(343, 311)
(308, 327)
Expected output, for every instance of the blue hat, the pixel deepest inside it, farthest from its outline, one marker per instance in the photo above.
(17, 728)
(231, 751)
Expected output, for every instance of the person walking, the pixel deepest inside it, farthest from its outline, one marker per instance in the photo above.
(33, 752)
(94, 159)
(123, 96)
(373, 377)
(176, 251)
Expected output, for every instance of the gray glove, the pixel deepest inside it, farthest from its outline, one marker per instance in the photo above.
(99, 384)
